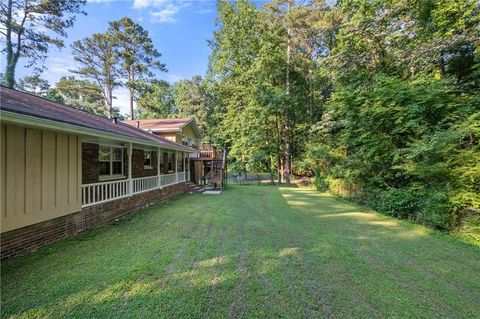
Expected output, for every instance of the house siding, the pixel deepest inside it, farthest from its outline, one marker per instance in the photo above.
(189, 132)
(169, 136)
(41, 175)
(33, 237)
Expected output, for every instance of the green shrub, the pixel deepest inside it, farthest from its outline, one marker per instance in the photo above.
(319, 183)
(395, 202)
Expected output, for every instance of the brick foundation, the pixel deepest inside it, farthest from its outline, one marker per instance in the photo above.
(33, 237)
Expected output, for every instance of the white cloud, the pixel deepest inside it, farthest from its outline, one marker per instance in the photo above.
(165, 15)
(58, 66)
(142, 4)
(160, 11)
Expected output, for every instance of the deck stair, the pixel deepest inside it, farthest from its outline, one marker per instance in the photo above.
(194, 188)
(214, 166)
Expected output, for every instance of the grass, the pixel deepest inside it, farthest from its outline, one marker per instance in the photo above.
(250, 252)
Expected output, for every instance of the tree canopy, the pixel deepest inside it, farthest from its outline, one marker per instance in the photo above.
(379, 100)
(31, 27)
(138, 56)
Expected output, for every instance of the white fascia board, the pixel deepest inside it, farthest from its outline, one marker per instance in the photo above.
(15, 118)
(165, 130)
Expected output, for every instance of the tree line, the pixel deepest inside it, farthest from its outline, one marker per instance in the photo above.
(377, 100)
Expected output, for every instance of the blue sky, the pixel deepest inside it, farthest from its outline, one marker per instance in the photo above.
(179, 30)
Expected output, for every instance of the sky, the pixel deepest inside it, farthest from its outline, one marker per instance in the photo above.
(179, 30)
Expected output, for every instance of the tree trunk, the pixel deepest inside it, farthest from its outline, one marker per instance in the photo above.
(286, 117)
(269, 161)
(10, 69)
(131, 79)
(310, 99)
(279, 167)
(272, 178)
(279, 146)
(131, 104)
(9, 76)
(110, 102)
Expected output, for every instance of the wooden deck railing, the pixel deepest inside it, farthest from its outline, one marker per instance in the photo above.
(207, 152)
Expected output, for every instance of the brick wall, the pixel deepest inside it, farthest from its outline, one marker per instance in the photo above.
(31, 238)
(89, 163)
(138, 170)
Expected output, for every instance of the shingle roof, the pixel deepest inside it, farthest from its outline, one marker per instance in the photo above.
(34, 106)
(164, 124)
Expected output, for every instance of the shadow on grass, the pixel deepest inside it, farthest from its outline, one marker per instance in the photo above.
(250, 252)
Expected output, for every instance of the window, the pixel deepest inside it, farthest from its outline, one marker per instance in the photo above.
(187, 141)
(147, 159)
(110, 161)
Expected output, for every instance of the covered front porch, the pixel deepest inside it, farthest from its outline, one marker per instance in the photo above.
(113, 170)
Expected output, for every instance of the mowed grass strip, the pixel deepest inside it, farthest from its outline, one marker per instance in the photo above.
(251, 252)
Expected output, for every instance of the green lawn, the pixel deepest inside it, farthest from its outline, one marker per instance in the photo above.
(251, 252)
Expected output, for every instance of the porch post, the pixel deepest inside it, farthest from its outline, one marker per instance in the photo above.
(158, 168)
(183, 164)
(130, 182)
(176, 167)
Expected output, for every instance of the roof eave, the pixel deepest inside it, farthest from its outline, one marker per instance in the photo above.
(163, 130)
(16, 118)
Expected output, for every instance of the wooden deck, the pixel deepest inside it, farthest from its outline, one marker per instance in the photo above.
(207, 153)
(214, 163)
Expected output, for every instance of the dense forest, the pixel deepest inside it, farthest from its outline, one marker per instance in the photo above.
(377, 101)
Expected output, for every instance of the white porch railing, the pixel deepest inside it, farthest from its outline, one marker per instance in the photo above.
(180, 177)
(97, 193)
(143, 184)
(102, 192)
(168, 179)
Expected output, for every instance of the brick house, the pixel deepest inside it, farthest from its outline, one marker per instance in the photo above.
(64, 170)
(206, 163)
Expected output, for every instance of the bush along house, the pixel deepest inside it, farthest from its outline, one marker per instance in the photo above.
(207, 165)
(64, 170)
